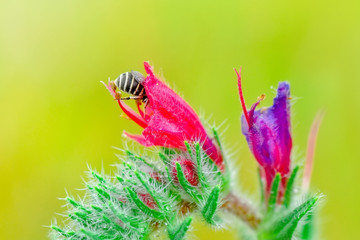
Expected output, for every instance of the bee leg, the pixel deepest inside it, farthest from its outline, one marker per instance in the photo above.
(132, 97)
(146, 101)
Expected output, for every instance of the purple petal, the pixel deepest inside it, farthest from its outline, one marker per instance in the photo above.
(269, 135)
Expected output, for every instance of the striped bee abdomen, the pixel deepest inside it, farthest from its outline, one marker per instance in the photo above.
(131, 82)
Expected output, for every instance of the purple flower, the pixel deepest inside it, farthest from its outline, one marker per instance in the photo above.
(267, 132)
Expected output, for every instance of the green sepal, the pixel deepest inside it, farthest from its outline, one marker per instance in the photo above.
(120, 179)
(142, 206)
(168, 151)
(150, 190)
(189, 189)
(217, 138)
(273, 194)
(225, 187)
(179, 233)
(90, 235)
(98, 209)
(59, 230)
(168, 175)
(123, 181)
(82, 221)
(173, 192)
(284, 227)
(164, 158)
(307, 231)
(63, 233)
(135, 158)
(130, 222)
(188, 148)
(289, 187)
(77, 205)
(211, 205)
(114, 224)
(81, 215)
(202, 179)
(98, 177)
(102, 193)
(223, 178)
(262, 188)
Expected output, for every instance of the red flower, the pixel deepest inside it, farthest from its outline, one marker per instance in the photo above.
(168, 121)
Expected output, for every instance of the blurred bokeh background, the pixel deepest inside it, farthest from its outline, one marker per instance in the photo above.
(56, 118)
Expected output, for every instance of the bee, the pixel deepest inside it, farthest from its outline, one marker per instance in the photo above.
(131, 82)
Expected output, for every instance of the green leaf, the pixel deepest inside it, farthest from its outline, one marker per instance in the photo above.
(285, 226)
(211, 205)
(179, 233)
(142, 206)
(273, 194)
(289, 187)
(189, 189)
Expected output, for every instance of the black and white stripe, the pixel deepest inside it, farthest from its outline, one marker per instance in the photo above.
(131, 82)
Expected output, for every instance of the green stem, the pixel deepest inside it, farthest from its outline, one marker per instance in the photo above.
(241, 209)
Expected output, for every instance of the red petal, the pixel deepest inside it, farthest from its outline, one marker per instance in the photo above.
(148, 69)
(172, 109)
(127, 110)
(138, 104)
(138, 138)
(111, 89)
(132, 114)
(164, 138)
(171, 120)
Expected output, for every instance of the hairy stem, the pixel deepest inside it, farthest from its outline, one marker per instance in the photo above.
(240, 208)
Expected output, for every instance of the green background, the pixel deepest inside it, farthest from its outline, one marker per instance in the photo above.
(56, 118)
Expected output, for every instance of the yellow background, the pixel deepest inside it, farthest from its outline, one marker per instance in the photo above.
(55, 116)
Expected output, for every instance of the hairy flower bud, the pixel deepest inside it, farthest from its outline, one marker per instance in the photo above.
(147, 199)
(188, 168)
